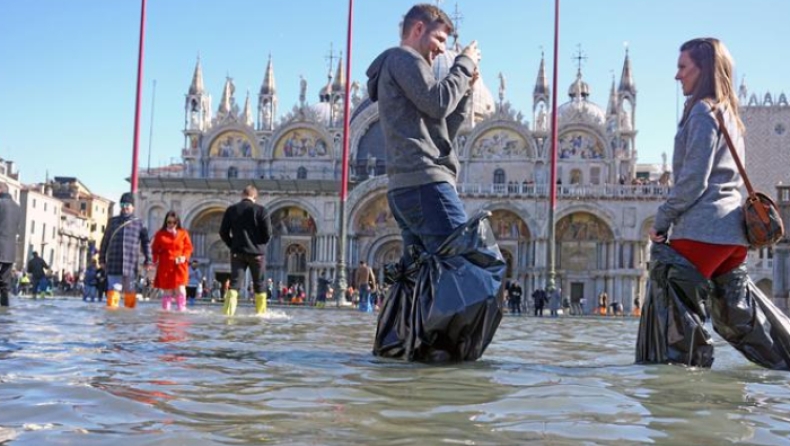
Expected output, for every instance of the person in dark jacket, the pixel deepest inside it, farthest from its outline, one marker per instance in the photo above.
(90, 289)
(124, 240)
(323, 289)
(37, 268)
(246, 229)
(539, 296)
(10, 217)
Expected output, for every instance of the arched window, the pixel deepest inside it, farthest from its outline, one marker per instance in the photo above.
(576, 176)
(233, 172)
(301, 173)
(296, 259)
(499, 176)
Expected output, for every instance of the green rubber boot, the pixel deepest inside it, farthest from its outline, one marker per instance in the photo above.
(231, 300)
(260, 303)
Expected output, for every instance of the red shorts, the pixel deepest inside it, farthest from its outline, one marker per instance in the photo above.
(711, 260)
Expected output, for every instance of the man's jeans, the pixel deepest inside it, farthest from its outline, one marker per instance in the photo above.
(365, 303)
(238, 268)
(426, 214)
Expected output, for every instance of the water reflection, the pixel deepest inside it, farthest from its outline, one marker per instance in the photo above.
(74, 373)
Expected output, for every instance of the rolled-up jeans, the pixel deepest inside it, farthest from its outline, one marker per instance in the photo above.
(426, 214)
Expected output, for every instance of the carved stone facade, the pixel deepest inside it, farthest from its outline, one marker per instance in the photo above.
(602, 218)
(767, 121)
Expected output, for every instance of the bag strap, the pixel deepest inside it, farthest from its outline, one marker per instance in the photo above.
(115, 232)
(761, 212)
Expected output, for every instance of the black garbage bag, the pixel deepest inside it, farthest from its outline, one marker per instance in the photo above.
(749, 321)
(671, 327)
(444, 306)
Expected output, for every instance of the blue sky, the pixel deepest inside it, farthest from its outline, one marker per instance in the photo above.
(68, 68)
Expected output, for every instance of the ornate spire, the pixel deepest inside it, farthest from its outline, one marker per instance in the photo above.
(226, 103)
(579, 90)
(246, 117)
(502, 89)
(339, 85)
(627, 84)
(612, 108)
(196, 87)
(541, 83)
(268, 87)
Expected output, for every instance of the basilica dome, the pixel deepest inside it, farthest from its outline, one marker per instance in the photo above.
(579, 109)
(323, 111)
(484, 103)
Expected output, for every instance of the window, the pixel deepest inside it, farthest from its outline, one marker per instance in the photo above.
(595, 175)
(32, 227)
(233, 172)
(301, 173)
(576, 176)
(34, 203)
(499, 176)
(45, 206)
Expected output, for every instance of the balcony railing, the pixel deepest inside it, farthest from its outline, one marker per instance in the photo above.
(598, 191)
(513, 190)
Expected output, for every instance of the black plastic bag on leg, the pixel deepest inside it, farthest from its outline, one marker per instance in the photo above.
(671, 327)
(445, 306)
(749, 321)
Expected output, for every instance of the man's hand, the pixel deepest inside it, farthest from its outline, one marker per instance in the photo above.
(474, 79)
(471, 51)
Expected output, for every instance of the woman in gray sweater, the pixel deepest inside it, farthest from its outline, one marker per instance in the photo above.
(700, 247)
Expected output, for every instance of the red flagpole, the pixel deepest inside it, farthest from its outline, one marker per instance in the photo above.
(138, 100)
(554, 142)
(347, 105)
(342, 283)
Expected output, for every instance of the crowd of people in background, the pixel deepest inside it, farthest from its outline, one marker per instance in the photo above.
(37, 280)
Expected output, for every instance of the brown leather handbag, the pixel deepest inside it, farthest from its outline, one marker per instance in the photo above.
(764, 225)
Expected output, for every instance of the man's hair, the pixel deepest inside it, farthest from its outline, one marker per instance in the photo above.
(250, 191)
(430, 15)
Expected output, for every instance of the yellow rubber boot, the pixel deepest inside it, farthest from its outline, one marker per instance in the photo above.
(231, 300)
(129, 300)
(113, 299)
(260, 303)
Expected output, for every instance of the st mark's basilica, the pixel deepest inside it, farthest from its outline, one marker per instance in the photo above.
(603, 211)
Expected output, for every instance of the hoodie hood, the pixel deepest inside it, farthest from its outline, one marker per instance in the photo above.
(374, 71)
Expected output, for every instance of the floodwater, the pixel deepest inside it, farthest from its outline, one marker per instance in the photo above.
(73, 373)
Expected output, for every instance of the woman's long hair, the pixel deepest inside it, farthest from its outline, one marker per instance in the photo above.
(715, 83)
(174, 215)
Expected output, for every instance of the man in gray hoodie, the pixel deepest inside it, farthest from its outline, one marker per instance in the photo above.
(420, 117)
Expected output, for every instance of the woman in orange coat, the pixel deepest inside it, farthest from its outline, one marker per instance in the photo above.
(171, 251)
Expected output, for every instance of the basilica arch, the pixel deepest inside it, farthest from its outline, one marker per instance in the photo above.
(155, 218)
(290, 251)
(208, 248)
(514, 239)
(585, 246)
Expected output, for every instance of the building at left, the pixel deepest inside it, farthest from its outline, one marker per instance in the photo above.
(62, 220)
